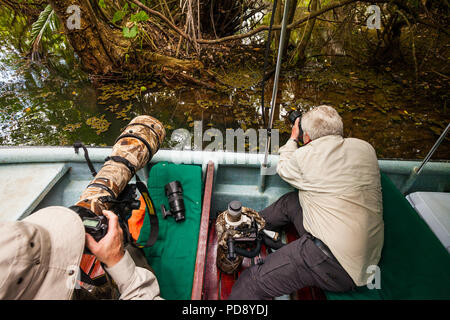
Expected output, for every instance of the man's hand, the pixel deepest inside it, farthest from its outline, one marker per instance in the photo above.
(296, 130)
(109, 249)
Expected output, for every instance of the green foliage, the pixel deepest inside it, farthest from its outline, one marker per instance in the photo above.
(46, 22)
(130, 32)
(101, 4)
(141, 16)
(39, 26)
(119, 15)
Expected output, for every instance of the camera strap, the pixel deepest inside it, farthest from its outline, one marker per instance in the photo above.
(148, 127)
(77, 145)
(86, 278)
(138, 138)
(154, 224)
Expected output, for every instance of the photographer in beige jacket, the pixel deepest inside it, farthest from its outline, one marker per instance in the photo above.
(336, 210)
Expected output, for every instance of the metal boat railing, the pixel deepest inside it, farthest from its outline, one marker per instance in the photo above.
(417, 170)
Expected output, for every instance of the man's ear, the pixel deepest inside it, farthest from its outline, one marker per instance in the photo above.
(306, 138)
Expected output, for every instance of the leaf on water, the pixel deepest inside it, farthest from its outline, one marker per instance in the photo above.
(361, 119)
(100, 124)
(122, 114)
(46, 94)
(72, 127)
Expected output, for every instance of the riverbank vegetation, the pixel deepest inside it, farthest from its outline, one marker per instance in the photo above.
(390, 84)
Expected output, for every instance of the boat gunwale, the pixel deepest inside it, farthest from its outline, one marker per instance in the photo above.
(97, 154)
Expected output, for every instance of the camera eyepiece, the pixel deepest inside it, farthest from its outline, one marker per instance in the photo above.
(293, 115)
(174, 193)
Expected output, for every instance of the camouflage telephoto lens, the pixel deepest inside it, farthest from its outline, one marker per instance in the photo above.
(174, 193)
(137, 144)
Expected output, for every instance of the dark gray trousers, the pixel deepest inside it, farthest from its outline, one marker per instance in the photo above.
(296, 265)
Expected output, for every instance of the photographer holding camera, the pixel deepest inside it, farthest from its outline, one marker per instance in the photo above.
(336, 210)
(40, 257)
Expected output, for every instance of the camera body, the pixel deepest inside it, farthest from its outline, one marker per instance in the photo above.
(293, 115)
(96, 226)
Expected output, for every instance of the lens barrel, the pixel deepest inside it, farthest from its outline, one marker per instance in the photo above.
(137, 144)
(174, 193)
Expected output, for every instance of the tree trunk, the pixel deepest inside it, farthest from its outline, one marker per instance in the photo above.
(301, 47)
(100, 48)
(277, 21)
(290, 17)
(388, 47)
(103, 50)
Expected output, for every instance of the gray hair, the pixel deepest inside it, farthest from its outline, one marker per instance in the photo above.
(322, 121)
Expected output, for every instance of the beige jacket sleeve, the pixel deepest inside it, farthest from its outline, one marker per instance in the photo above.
(134, 283)
(288, 167)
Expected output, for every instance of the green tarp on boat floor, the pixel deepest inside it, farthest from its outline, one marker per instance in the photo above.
(173, 255)
(414, 264)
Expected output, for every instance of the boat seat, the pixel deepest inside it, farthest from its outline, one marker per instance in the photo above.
(434, 208)
(173, 256)
(414, 264)
(23, 186)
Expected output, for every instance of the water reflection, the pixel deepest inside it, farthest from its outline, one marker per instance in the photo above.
(54, 103)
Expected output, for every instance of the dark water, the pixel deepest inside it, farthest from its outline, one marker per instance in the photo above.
(59, 105)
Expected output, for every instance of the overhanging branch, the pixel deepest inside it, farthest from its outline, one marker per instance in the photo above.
(293, 25)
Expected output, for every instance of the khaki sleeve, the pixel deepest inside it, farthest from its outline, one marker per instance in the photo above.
(134, 283)
(288, 168)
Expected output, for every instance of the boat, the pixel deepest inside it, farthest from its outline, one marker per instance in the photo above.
(37, 177)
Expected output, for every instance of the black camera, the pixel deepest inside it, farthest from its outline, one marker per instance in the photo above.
(293, 115)
(96, 226)
(174, 193)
